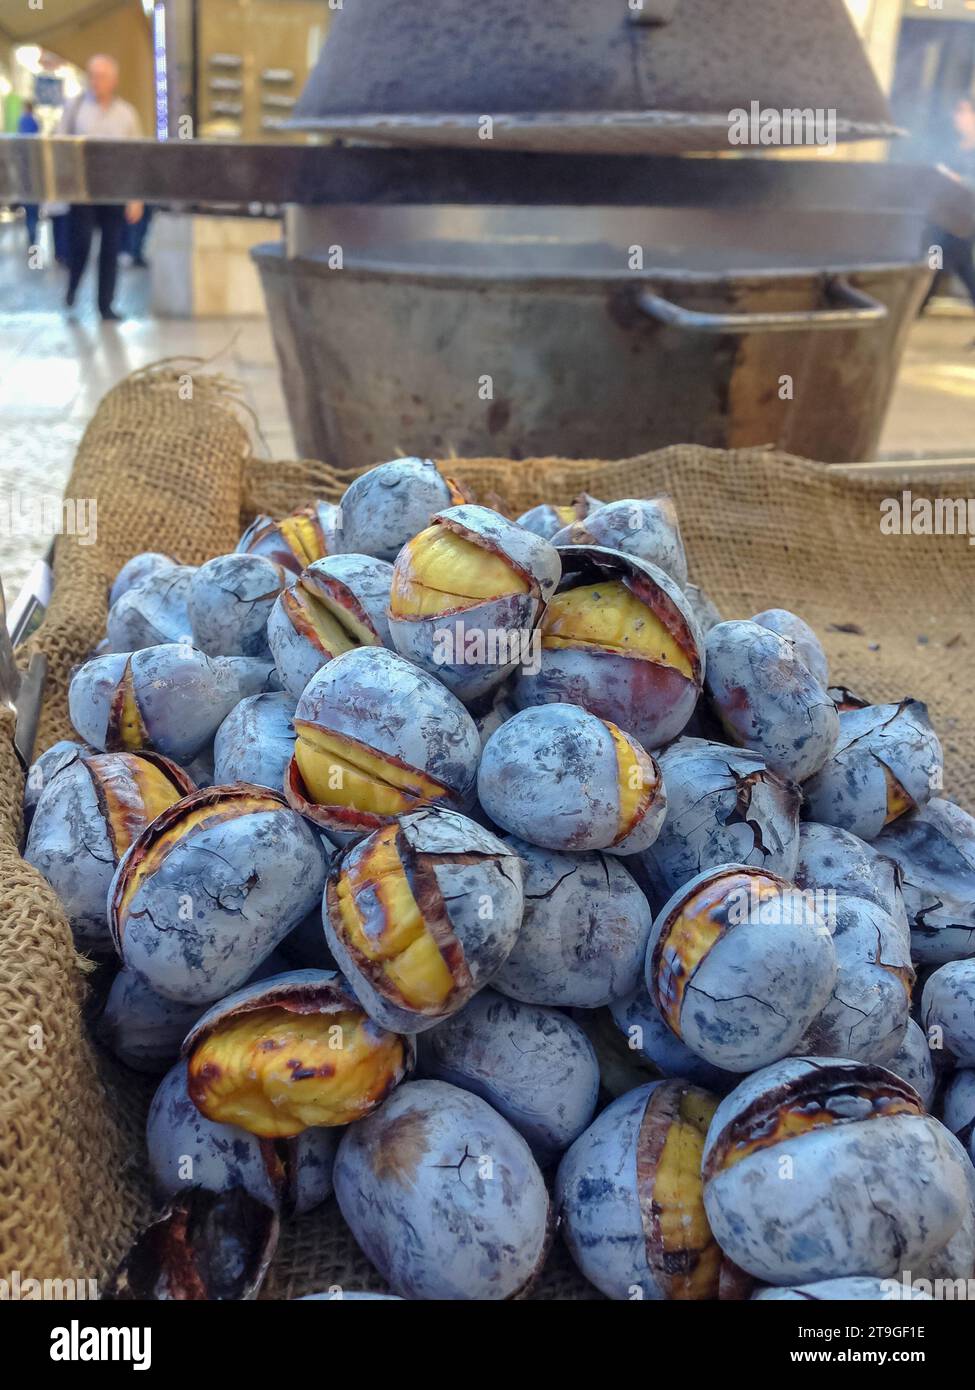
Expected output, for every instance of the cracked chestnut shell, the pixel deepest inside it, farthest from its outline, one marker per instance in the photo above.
(444, 1196)
(137, 569)
(583, 937)
(563, 779)
(256, 741)
(534, 1065)
(211, 887)
(92, 808)
(466, 595)
(168, 699)
(293, 1052)
(768, 700)
(934, 849)
(548, 518)
(296, 541)
(619, 640)
(377, 738)
(187, 1150)
(152, 612)
(808, 647)
(739, 964)
(821, 1168)
(887, 761)
(421, 914)
(229, 600)
(334, 606)
(630, 1199)
(383, 508)
(646, 527)
(724, 806)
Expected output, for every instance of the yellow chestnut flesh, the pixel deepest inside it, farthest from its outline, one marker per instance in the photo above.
(303, 537)
(153, 793)
(441, 571)
(275, 1073)
(403, 950)
(339, 772)
(637, 780)
(701, 922)
(678, 1201)
(131, 731)
(202, 818)
(898, 800)
(609, 617)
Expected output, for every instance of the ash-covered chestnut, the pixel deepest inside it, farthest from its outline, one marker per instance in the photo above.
(535, 1066)
(958, 1108)
(584, 933)
(466, 595)
(646, 527)
(335, 605)
(296, 541)
(384, 508)
(740, 963)
(651, 1041)
(724, 806)
(134, 571)
(293, 1052)
(251, 674)
(169, 699)
(421, 914)
(187, 1150)
(629, 1198)
(443, 1196)
(934, 848)
(819, 1168)
(808, 646)
(43, 768)
(866, 1016)
(142, 1028)
(887, 761)
(833, 859)
(618, 639)
(229, 600)
(856, 1289)
(768, 700)
(377, 738)
(256, 741)
(546, 519)
(152, 612)
(913, 1063)
(91, 810)
(564, 779)
(211, 887)
(490, 719)
(948, 1011)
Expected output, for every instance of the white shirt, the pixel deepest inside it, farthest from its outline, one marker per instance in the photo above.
(85, 116)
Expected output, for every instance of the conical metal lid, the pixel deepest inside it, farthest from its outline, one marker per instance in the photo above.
(656, 75)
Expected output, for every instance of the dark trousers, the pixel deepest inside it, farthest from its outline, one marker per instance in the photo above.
(30, 218)
(958, 253)
(83, 218)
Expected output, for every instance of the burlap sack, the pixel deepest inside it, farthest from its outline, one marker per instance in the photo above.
(760, 530)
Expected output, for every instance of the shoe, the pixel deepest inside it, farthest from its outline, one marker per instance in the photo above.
(110, 316)
(69, 298)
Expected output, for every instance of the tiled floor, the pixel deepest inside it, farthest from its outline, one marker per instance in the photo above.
(54, 368)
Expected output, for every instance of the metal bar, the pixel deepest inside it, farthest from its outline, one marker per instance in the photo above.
(861, 309)
(68, 169)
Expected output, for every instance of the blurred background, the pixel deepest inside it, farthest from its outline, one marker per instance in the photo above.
(232, 71)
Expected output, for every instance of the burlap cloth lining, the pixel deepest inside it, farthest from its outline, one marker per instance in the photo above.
(167, 457)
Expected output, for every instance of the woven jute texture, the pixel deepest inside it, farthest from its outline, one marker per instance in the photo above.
(760, 530)
(163, 463)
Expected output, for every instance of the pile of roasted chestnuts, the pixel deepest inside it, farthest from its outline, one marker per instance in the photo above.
(475, 876)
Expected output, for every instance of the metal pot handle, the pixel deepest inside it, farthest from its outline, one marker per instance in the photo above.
(860, 310)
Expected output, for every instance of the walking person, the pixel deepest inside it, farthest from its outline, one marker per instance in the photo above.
(27, 125)
(99, 113)
(958, 252)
